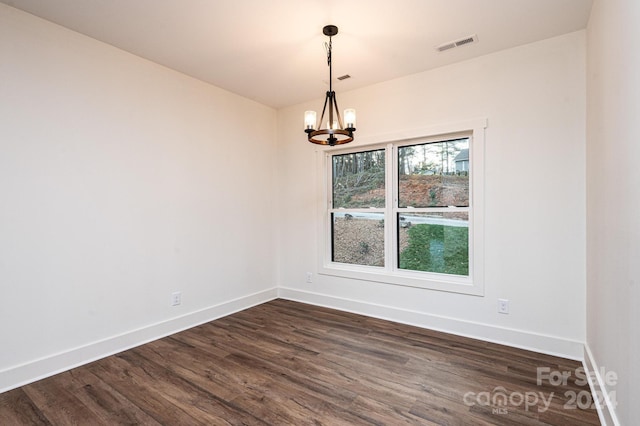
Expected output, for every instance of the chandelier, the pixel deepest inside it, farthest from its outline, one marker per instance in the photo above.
(336, 131)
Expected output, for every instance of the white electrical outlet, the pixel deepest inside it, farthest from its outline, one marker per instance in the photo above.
(503, 306)
(176, 298)
(309, 277)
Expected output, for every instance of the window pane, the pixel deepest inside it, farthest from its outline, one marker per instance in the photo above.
(434, 242)
(434, 174)
(358, 179)
(358, 238)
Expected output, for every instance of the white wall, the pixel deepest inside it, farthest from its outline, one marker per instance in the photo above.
(120, 182)
(613, 195)
(534, 99)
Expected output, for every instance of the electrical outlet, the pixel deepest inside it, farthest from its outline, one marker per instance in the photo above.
(309, 277)
(503, 306)
(176, 298)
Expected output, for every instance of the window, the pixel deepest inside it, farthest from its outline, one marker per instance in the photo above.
(406, 212)
(358, 182)
(432, 208)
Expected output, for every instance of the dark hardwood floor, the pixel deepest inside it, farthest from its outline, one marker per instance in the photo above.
(287, 363)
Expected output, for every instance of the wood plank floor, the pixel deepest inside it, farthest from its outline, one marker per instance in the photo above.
(287, 363)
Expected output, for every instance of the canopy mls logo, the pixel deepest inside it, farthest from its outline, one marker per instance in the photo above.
(500, 399)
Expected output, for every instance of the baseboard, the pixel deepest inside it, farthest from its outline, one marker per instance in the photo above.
(550, 345)
(45, 367)
(602, 396)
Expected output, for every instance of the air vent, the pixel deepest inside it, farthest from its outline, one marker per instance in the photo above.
(457, 43)
(465, 41)
(344, 77)
(446, 47)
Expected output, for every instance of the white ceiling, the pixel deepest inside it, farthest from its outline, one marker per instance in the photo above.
(272, 50)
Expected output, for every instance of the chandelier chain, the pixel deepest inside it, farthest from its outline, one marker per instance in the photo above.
(327, 46)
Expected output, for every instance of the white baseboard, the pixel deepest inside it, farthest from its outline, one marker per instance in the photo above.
(45, 367)
(602, 395)
(550, 345)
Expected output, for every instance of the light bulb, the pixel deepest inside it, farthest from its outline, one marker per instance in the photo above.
(309, 120)
(350, 118)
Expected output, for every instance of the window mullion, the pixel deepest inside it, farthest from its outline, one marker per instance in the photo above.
(391, 232)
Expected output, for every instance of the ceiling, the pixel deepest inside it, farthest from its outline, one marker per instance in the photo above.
(272, 51)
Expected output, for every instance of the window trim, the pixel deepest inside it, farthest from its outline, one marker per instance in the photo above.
(391, 274)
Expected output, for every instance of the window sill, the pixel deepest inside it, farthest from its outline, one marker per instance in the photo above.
(428, 281)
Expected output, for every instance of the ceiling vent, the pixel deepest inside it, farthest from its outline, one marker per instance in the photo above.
(457, 43)
(344, 77)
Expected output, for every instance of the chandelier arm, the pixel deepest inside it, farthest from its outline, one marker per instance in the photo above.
(335, 105)
(332, 96)
(324, 108)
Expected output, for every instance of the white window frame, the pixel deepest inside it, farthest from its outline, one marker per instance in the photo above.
(390, 273)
